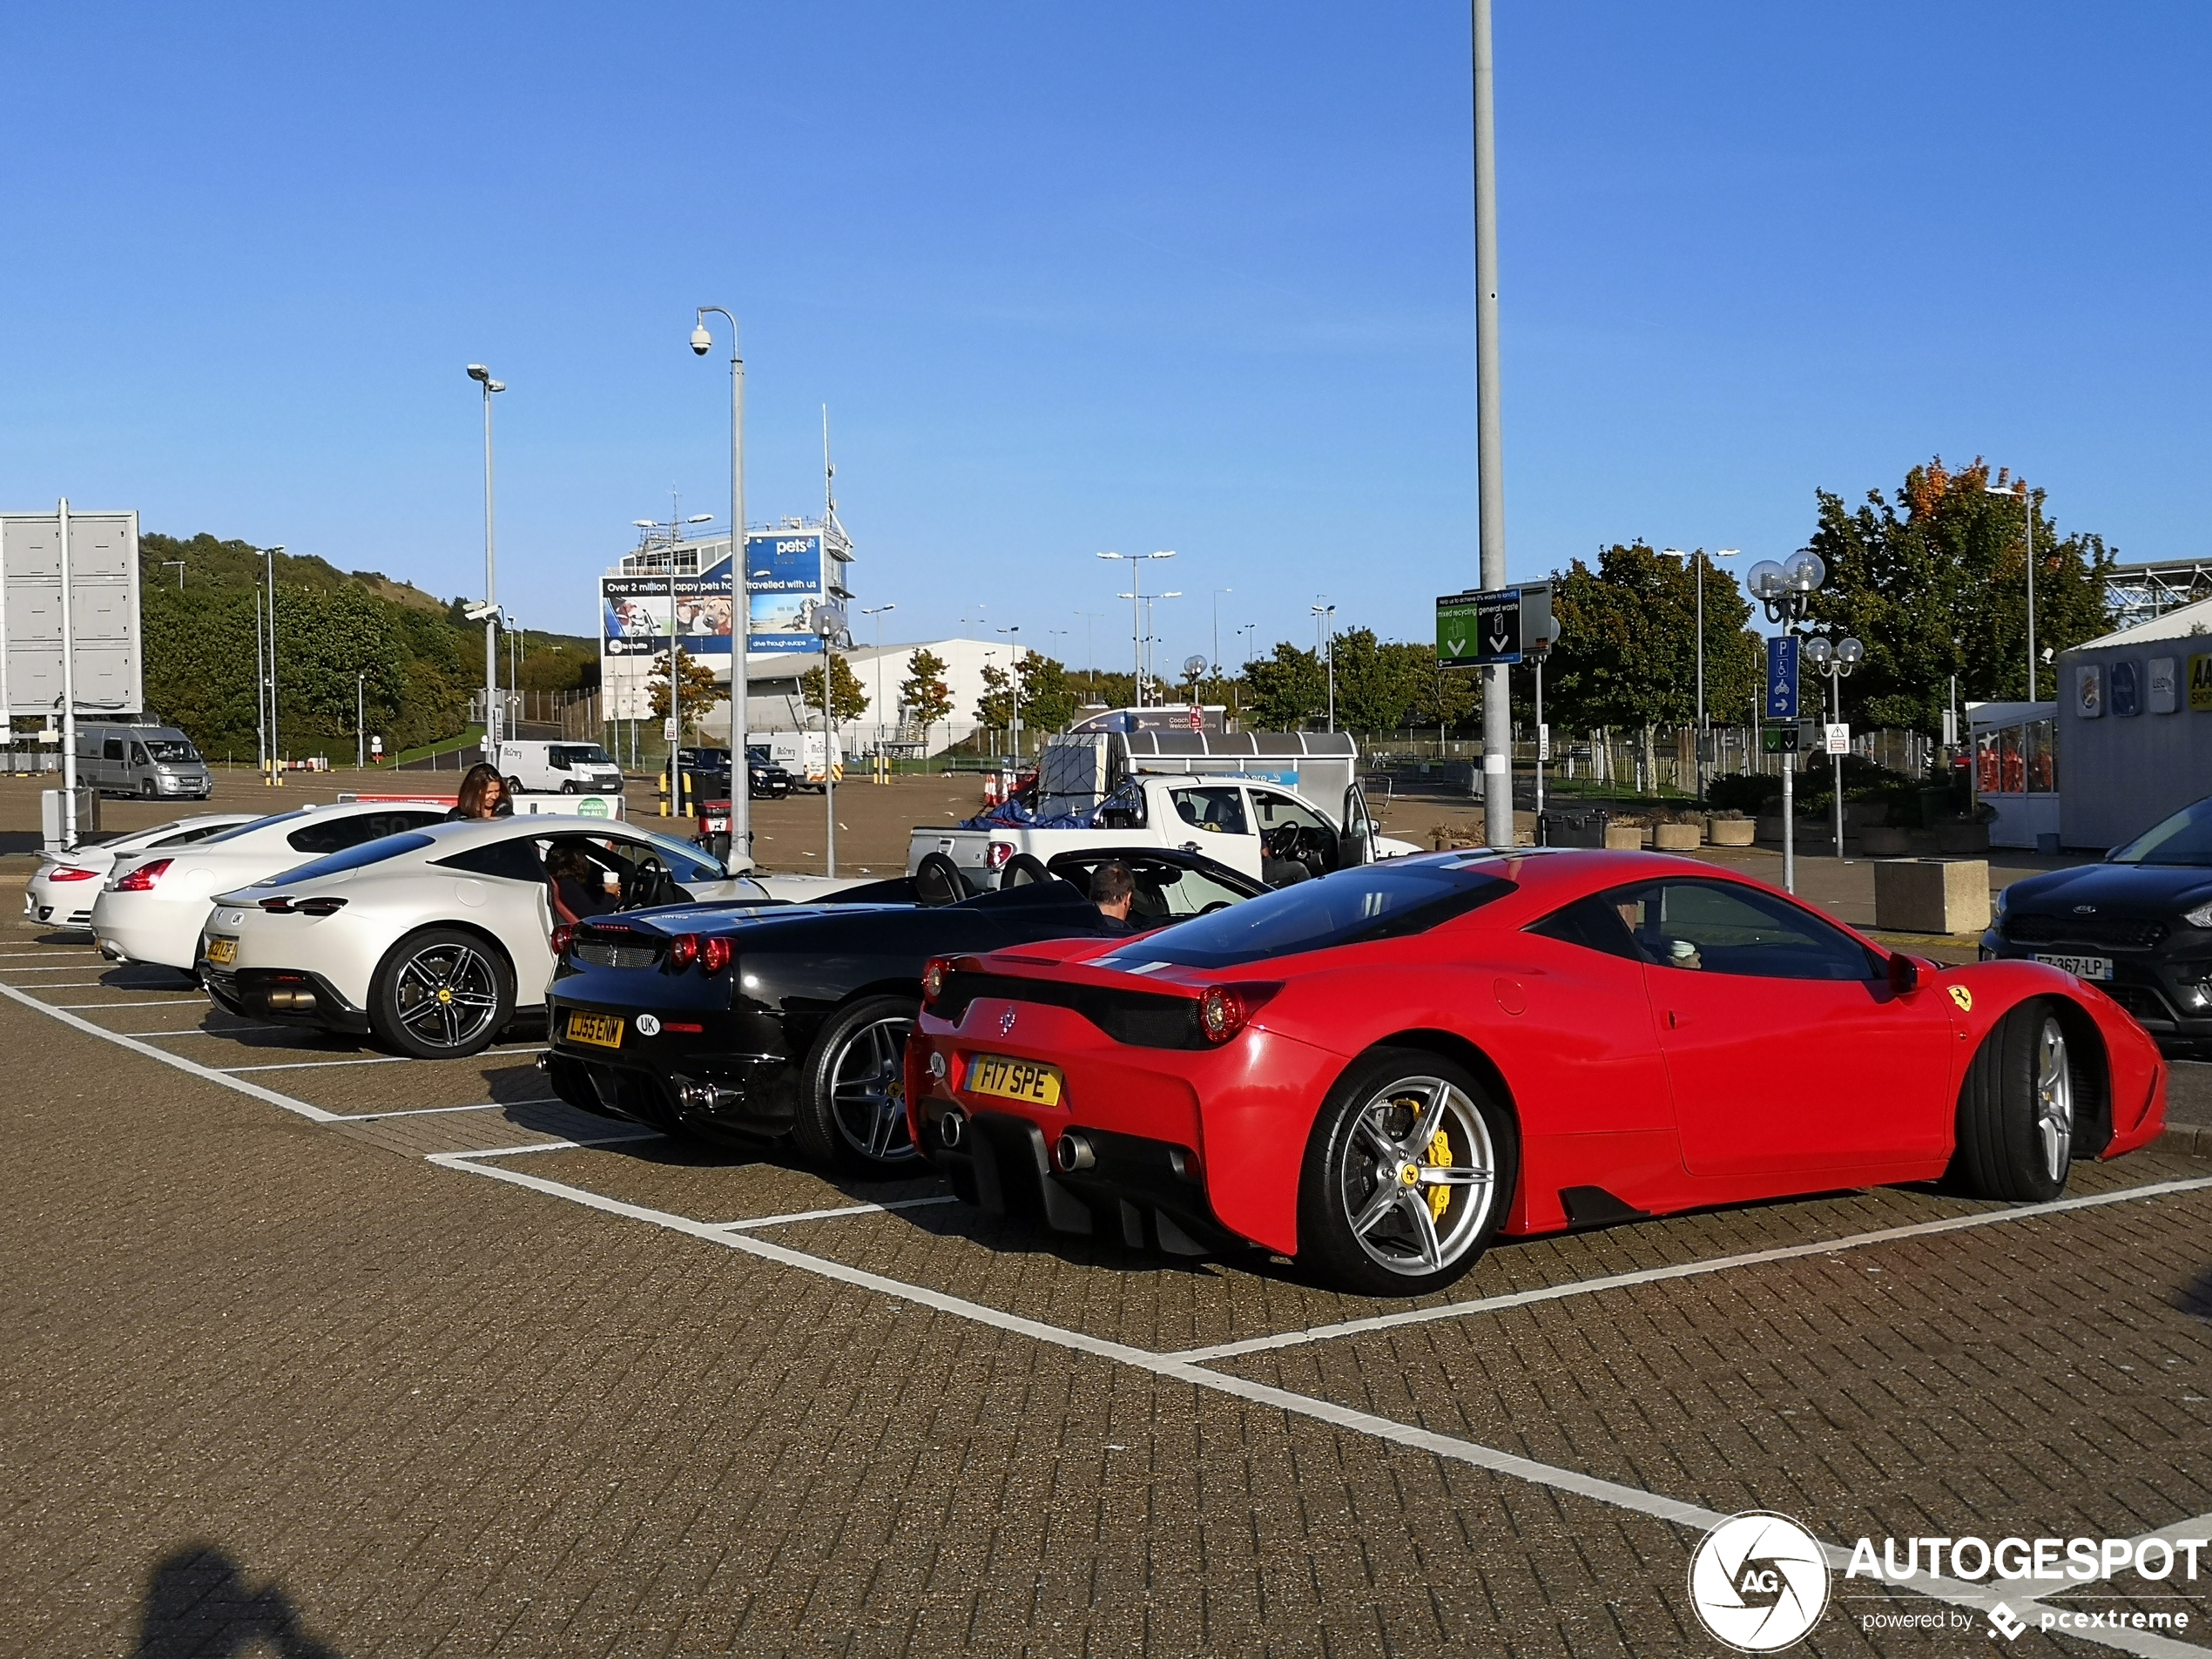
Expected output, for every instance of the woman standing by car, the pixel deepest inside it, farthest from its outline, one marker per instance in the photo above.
(484, 795)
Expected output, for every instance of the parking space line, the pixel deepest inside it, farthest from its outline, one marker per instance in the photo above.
(303, 1065)
(284, 1103)
(548, 1146)
(174, 1002)
(1636, 1499)
(431, 1111)
(53, 967)
(201, 1031)
(1680, 1270)
(825, 1215)
(89, 984)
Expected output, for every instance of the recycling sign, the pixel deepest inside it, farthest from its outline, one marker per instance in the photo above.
(1475, 630)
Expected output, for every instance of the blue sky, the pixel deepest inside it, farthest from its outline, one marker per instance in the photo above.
(1068, 279)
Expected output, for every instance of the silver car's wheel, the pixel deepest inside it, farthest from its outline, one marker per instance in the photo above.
(855, 1109)
(441, 994)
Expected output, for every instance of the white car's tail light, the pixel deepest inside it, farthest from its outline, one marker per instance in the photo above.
(142, 879)
(72, 873)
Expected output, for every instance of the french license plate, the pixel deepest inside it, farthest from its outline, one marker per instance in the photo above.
(221, 952)
(1031, 1082)
(601, 1031)
(2080, 966)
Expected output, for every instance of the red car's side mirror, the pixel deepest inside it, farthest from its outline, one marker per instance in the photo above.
(1904, 973)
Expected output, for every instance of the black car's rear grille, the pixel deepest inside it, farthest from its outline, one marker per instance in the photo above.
(2113, 933)
(591, 954)
(1143, 1019)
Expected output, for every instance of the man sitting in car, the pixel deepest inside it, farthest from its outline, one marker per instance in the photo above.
(1113, 889)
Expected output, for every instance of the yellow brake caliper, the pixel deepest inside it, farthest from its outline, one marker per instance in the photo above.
(1439, 1156)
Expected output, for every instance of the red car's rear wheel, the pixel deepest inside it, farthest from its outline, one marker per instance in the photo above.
(1408, 1175)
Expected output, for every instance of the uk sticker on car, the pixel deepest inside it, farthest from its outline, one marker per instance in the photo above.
(2080, 966)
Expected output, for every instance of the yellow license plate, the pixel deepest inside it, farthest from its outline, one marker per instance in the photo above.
(1029, 1081)
(221, 952)
(601, 1030)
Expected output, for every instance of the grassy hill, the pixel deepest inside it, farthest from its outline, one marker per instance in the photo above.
(419, 655)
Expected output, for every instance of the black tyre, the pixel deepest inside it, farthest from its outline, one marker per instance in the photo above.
(146, 791)
(1023, 869)
(441, 994)
(569, 786)
(513, 787)
(852, 1110)
(1408, 1175)
(2016, 1109)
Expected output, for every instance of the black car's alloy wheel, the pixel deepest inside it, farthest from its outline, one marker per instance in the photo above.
(441, 994)
(1407, 1176)
(854, 1112)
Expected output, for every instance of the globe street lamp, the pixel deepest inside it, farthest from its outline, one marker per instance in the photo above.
(482, 375)
(1839, 657)
(740, 591)
(1785, 591)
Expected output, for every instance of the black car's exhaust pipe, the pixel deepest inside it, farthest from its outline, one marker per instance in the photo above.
(1072, 1153)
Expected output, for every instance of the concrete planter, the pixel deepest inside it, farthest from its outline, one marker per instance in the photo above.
(1932, 895)
(1877, 843)
(1962, 838)
(1624, 838)
(1734, 831)
(1677, 838)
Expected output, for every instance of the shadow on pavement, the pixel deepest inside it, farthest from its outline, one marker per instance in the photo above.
(199, 1606)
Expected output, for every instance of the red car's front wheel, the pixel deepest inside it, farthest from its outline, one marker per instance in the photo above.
(1407, 1178)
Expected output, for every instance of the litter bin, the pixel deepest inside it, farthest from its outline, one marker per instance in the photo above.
(1572, 829)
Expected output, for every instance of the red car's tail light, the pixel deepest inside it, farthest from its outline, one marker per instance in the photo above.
(71, 872)
(563, 936)
(142, 879)
(682, 951)
(933, 979)
(1224, 1010)
(715, 954)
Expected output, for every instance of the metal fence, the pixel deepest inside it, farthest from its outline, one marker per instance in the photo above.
(1626, 760)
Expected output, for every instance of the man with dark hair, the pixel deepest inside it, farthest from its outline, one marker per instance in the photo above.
(1113, 887)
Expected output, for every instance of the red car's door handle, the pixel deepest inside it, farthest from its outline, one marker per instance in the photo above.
(1675, 1019)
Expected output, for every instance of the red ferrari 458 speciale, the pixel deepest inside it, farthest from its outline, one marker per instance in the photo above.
(1378, 1072)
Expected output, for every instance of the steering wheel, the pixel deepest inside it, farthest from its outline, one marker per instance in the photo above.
(647, 880)
(1218, 904)
(1284, 842)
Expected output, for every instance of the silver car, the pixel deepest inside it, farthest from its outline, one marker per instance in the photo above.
(434, 941)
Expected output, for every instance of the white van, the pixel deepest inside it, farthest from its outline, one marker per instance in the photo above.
(809, 757)
(156, 762)
(542, 768)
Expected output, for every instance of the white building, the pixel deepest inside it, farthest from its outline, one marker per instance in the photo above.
(771, 689)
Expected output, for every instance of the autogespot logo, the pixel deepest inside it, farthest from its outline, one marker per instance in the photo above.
(1759, 1581)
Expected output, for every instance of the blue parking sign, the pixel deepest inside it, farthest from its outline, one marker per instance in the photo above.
(1782, 677)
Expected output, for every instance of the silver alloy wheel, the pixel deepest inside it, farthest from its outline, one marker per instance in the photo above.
(446, 995)
(1418, 1176)
(2053, 1100)
(868, 1090)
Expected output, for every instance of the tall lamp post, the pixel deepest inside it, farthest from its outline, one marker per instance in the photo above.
(876, 611)
(740, 590)
(276, 769)
(1217, 592)
(1014, 659)
(361, 722)
(1785, 592)
(482, 375)
(825, 620)
(1325, 617)
(1136, 596)
(2026, 496)
(1701, 558)
(1837, 659)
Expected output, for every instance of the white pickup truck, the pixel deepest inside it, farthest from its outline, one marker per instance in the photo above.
(1251, 824)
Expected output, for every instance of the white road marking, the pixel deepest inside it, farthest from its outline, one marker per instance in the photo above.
(1681, 1270)
(548, 1146)
(227, 1031)
(431, 1111)
(57, 968)
(36, 955)
(101, 984)
(284, 1103)
(825, 1215)
(1172, 1367)
(303, 1065)
(175, 1002)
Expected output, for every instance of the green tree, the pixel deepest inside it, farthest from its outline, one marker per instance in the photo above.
(924, 694)
(1935, 584)
(1048, 701)
(994, 706)
(1286, 689)
(1627, 652)
(701, 690)
(848, 702)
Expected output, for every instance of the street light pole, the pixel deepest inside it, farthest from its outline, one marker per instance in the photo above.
(1324, 618)
(2027, 498)
(1701, 558)
(276, 772)
(1786, 593)
(361, 722)
(740, 592)
(1014, 658)
(877, 612)
(1490, 490)
(482, 375)
(1136, 596)
(1217, 592)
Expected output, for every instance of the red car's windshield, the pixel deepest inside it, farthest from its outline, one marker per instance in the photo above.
(1385, 900)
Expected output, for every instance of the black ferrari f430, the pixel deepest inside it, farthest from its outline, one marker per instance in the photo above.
(762, 1021)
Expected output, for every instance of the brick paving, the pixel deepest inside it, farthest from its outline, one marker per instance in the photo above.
(268, 1381)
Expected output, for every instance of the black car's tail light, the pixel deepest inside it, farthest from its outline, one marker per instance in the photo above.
(934, 977)
(682, 951)
(716, 953)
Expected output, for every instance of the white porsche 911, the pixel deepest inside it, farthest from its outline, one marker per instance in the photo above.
(433, 939)
(61, 891)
